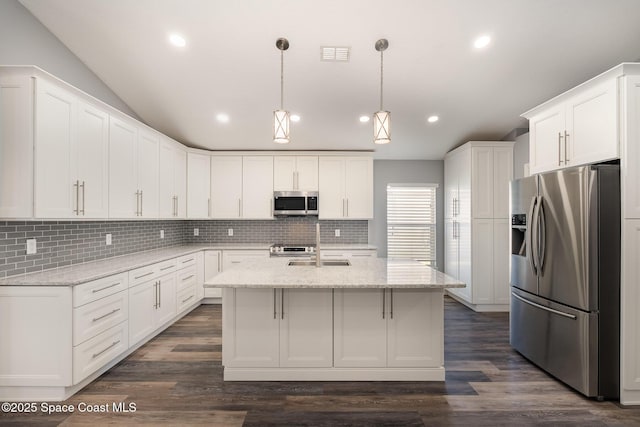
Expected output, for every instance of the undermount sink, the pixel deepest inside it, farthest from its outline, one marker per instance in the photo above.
(323, 263)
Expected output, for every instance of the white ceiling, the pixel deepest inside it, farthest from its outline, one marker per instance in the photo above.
(230, 64)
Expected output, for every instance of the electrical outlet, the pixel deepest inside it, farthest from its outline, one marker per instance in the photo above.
(31, 246)
(337, 232)
(230, 231)
(108, 239)
(162, 234)
(196, 231)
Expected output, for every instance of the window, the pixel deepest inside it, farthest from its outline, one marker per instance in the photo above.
(411, 222)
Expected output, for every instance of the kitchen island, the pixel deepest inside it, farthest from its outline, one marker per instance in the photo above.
(375, 319)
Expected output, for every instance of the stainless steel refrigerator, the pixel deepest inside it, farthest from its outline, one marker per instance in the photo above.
(565, 275)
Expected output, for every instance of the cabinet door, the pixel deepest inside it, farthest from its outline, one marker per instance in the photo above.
(482, 182)
(122, 169)
(284, 173)
(142, 305)
(16, 147)
(630, 301)
(463, 169)
(148, 172)
(55, 155)
(501, 257)
(465, 273)
(198, 186)
(450, 186)
(359, 187)
(306, 328)
(307, 173)
(415, 328)
(630, 164)
(482, 261)
(331, 183)
(451, 248)
(166, 309)
(226, 187)
(167, 173)
(592, 125)
(360, 328)
(92, 151)
(502, 175)
(257, 187)
(180, 181)
(212, 266)
(251, 328)
(546, 145)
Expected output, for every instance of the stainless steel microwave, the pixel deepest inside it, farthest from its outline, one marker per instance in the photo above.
(295, 203)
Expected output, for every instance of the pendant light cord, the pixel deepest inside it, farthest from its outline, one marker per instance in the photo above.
(281, 79)
(381, 76)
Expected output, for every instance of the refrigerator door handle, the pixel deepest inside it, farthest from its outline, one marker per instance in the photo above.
(531, 233)
(542, 307)
(542, 235)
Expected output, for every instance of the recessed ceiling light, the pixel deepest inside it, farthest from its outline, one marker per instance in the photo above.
(223, 118)
(177, 40)
(294, 118)
(482, 42)
(364, 119)
(433, 119)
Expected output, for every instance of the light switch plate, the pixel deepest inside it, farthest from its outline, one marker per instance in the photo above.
(32, 247)
(230, 231)
(196, 231)
(162, 234)
(108, 239)
(337, 232)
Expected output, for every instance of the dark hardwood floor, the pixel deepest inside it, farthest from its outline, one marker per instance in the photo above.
(176, 379)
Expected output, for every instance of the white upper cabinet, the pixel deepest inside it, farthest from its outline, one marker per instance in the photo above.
(198, 186)
(581, 129)
(226, 187)
(147, 166)
(295, 173)
(257, 187)
(630, 166)
(345, 187)
(173, 180)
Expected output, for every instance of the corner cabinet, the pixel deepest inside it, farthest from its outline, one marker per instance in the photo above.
(345, 187)
(477, 176)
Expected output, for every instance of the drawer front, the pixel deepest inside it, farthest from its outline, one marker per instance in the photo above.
(165, 267)
(212, 292)
(186, 298)
(96, 289)
(98, 316)
(186, 261)
(187, 278)
(143, 274)
(93, 354)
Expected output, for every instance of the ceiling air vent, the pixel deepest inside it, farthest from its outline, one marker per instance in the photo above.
(334, 53)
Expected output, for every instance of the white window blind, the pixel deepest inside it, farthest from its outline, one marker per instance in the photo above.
(411, 222)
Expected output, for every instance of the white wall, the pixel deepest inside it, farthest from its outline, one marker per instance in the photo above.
(401, 172)
(520, 155)
(25, 41)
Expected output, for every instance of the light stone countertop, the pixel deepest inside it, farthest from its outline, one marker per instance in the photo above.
(81, 273)
(362, 273)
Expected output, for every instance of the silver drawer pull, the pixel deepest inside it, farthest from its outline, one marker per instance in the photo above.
(144, 275)
(542, 307)
(188, 260)
(236, 262)
(187, 299)
(188, 277)
(105, 315)
(115, 343)
(167, 267)
(106, 287)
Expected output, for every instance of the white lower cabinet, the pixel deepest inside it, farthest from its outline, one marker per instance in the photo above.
(630, 315)
(230, 258)
(98, 351)
(186, 287)
(271, 328)
(212, 266)
(388, 328)
(151, 304)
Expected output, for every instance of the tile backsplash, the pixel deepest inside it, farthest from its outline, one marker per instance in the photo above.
(62, 243)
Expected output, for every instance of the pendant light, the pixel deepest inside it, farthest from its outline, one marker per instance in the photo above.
(382, 118)
(281, 116)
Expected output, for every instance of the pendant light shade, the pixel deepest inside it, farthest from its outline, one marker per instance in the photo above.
(281, 117)
(382, 118)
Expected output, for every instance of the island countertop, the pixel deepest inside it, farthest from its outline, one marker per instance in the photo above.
(362, 273)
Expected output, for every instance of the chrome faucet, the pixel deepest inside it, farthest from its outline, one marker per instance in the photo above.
(318, 244)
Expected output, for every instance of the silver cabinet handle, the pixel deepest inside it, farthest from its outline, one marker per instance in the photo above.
(95, 319)
(294, 180)
(343, 210)
(559, 149)
(141, 203)
(347, 207)
(239, 208)
(166, 268)
(384, 300)
(77, 209)
(144, 275)
(82, 185)
(187, 260)
(188, 277)
(115, 343)
(137, 203)
(551, 310)
(155, 294)
(159, 293)
(187, 299)
(106, 287)
(566, 147)
(282, 303)
(275, 315)
(219, 266)
(177, 206)
(391, 310)
(208, 207)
